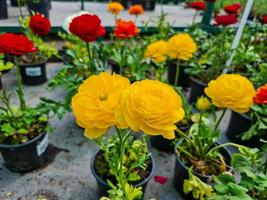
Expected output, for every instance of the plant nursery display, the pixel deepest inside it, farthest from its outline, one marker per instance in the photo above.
(185, 107)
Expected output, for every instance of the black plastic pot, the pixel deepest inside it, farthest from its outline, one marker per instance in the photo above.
(197, 89)
(27, 156)
(115, 68)
(147, 4)
(102, 186)
(181, 173)
(3, 9)
(33, 74)
(183, 79)
(41, 6)
(162, 144)
(238, 124)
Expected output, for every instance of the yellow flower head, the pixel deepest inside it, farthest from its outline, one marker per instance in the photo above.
(231, 91)
(152, 107)
(157, 51)
(181, 47)
(203, 104)
(96, 101)
(136, 9)
(114, 8)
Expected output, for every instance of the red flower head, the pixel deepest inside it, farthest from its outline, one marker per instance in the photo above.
(225, 20)
(87, 27)
(40, 25)
(261, 95)
(264, 19)
(15, 44)
(231, 9)
(125, 29)
(237, 5)
(161, 179)
(198, 5)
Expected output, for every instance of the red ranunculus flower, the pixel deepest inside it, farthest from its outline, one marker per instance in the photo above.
(225, 20)
(161, 179)
(261, 95)
(15, 44)
(40, 25)
(237, 5)
(198, 5)
(231, 9)
(264, 19)
(87, 27)
(125, 29)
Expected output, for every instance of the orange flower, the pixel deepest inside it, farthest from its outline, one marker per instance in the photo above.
(261, 96)
(136, 9)
(115, 8)
(125, 29)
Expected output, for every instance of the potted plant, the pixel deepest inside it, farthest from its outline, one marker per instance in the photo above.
(33, 65)
(211, 61)
(23, 132)
(250, 129)
(39, 6)
(198, 155)
(102, 102)
(3, 10)
(250, 178)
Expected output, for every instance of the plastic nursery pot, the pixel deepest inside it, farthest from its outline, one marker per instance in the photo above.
(115, 68)
(33, 74)
(181, 173)
(3, 9)
(27, 156)
(102, 186)
(183, 79)
(41, 6)
(238, 124)
(197, 89)
(162, 144)
(1, 85)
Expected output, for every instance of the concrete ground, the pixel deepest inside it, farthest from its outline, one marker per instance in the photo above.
(177, 15)
(69, 177)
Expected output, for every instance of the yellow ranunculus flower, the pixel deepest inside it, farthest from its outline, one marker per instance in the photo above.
(157, 51)
(181, 47)
(114, 8)
(96, 101)
(152, 107)
(231, 91)
(203, 104)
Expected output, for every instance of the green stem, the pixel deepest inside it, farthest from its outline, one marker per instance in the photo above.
(20, 10)
(224, 145)
(197, 138)
(194, 18)
(89, 54)
(220, 119)
(121, 177)
(20, 87)
(177, 75)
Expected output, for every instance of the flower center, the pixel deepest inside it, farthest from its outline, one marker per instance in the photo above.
(103, 97)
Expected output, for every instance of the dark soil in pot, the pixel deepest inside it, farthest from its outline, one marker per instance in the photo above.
(181, 173)
(26, 156)
(183, 79)
(238, 124)
(102, 186)
(33, 74)
(162, 144)
(197, 89)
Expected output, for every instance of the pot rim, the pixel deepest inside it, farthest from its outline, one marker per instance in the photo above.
(45, 59)
(198, 81)
(23, 144)
(241, 114)
(196, 173)
(104, 183)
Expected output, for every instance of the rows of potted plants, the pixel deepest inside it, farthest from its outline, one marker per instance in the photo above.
(146, 95)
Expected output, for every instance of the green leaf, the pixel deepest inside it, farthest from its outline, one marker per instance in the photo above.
(8, 129)
(23, 131)
(133, 177)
